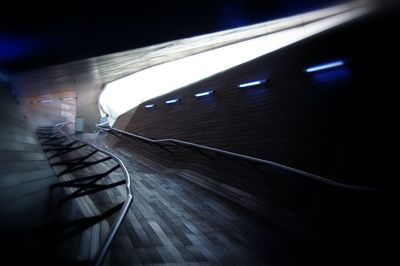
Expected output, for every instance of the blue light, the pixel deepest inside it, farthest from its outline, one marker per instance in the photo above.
(333, 75)
(253, 83)
(149, 106)
(202, 94)
(16, 47)
(325, 66)
(172, 101)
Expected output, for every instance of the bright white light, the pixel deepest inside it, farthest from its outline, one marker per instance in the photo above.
(253, 83)
(124, 94)
(202, 94)
(325, 66)
(172, 101)
(149, 106)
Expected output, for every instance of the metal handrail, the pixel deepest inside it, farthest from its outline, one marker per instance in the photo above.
(318, 178)
(128, 201)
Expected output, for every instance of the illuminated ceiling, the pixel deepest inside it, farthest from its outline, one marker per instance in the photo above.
(183, 62)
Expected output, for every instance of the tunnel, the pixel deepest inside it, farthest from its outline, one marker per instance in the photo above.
(203, 133)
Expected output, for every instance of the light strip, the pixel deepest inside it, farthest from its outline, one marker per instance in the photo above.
(68, 98)
(149, 106)
(202, 94)
(172, 101)
(45, 101)
(253, 83)
(325, 66)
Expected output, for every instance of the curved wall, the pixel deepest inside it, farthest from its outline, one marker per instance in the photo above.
(328, 123)
(25, 180)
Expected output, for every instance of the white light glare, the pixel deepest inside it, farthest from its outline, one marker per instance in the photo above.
(206, 93)
(253, 83)
(172, 101)
(325, 66)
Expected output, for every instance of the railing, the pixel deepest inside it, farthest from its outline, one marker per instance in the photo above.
(315, 177)
(100, 255)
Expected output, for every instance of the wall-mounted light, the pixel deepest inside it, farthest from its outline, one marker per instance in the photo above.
(172, 101)
(205, 93)
(148, 106)
(252, 83)
(328, 65)
(67, 99)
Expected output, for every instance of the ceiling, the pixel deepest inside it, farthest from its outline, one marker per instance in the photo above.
(36, 35)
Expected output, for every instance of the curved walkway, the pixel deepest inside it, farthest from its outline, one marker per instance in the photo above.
(174, 221)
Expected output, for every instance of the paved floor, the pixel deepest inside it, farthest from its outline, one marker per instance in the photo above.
(173, 221)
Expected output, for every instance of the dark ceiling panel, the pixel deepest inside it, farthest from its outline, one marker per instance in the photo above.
(36, 35)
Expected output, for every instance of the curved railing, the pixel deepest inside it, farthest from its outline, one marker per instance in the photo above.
(315, 177)
(98, 259)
